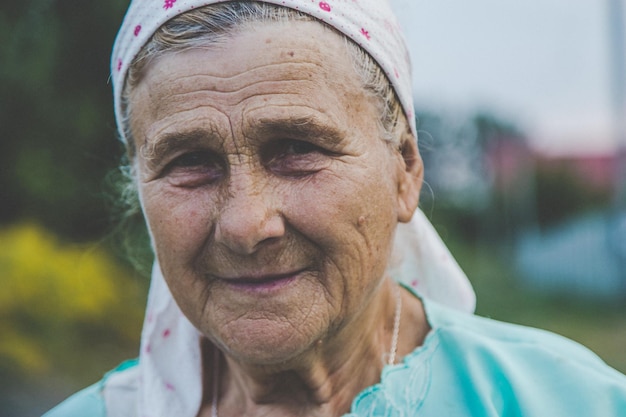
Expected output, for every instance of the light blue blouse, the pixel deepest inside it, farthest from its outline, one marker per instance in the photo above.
(473, 366)
(468, 366)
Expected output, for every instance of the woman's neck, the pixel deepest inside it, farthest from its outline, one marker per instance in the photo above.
(325, 379)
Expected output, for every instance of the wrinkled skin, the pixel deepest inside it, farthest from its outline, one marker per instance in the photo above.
(270, 196)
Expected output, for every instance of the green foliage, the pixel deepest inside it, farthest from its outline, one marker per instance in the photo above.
(55, 293)
(55, 113)
(490, 127)
(561, 195)
(460, 185)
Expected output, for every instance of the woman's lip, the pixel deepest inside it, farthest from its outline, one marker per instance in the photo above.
(258, 278)
(262, 283)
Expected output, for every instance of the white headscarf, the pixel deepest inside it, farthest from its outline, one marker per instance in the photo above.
(170, 363)
(369, 23)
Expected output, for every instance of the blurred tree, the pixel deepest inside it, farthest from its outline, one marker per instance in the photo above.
(60, 301)
(488, 185)
(453, 159)
(561, 195)
(509, 164)
(55, 113)
(470, 172)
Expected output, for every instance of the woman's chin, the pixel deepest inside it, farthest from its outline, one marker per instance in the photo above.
(266, 344)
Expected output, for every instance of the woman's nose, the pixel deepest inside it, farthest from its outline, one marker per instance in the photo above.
(248, 216)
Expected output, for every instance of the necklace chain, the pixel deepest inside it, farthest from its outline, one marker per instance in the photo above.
(216, 381)
(391, 358)
(396, 327)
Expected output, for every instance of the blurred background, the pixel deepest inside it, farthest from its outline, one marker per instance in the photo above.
(521, 112)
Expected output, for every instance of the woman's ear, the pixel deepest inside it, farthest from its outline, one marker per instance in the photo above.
(410, 178)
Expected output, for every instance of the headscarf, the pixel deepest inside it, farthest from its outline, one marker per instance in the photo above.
(369, 23)
(170, 363)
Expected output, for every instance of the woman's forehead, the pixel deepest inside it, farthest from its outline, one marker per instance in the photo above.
(259, 77)
(302, 54)
(262, 42)
(370, 24)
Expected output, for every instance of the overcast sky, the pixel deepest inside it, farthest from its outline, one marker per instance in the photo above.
(541, 63)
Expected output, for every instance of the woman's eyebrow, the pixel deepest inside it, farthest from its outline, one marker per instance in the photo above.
(298, 127)
(156, 149)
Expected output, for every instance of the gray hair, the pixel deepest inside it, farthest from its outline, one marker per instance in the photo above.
(216, 23)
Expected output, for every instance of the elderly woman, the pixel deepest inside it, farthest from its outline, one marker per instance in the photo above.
(274, 152)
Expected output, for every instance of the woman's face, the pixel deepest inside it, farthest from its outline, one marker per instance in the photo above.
(270, 196)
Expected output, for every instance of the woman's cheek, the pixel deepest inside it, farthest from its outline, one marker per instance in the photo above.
(174, 219)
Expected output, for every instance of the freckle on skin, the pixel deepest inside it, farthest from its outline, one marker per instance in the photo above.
(291, 53)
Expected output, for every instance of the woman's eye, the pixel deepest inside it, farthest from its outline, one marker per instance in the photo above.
(297, 147)
(194, 168)
(295, 158)
(191, 159)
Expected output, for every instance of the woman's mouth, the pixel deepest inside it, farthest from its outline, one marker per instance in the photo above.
(261, 283)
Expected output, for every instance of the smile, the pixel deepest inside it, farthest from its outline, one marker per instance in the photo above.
(262, 283)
